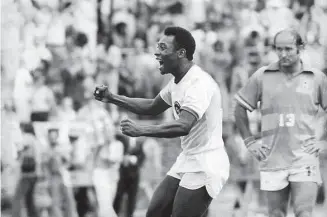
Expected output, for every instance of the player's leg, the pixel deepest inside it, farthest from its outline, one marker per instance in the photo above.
(278, 202)
(163, 198)
(304, 184)
(277, 189)
(191, 203)
(304, 195)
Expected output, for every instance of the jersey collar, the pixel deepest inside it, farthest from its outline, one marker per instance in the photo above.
(275, 67)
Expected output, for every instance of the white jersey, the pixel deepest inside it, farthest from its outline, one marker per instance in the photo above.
(199, 94)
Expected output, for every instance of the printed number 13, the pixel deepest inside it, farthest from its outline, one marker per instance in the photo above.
(287, 120)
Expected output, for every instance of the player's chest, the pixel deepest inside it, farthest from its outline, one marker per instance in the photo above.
(284, 90)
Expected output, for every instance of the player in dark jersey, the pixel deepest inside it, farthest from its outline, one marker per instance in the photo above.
(290, 93)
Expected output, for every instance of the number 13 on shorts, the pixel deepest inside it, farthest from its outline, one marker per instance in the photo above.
(286, 120)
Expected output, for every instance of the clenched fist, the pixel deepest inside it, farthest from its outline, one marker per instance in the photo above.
(101, 93)
(130, 128)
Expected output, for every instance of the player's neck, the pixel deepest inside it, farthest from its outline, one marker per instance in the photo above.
(293, 69)
(183, 69)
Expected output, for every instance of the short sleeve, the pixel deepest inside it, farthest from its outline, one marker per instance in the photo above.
(165, 93)
(250, 94)
(197, 98)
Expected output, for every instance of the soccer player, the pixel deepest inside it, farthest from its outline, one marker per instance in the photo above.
(290, 94)
(202, 167)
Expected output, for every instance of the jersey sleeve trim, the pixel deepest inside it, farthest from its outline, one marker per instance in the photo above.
(191, 111)
(244, 103)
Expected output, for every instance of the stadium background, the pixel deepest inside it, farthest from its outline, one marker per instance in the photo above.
(85, 35)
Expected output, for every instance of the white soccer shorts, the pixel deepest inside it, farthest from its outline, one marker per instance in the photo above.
(209, 169)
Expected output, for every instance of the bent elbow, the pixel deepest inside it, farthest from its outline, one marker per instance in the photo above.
(185, 129)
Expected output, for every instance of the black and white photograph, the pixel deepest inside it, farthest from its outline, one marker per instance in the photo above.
(163, 108)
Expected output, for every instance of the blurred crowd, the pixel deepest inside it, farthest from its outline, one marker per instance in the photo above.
(53, 54)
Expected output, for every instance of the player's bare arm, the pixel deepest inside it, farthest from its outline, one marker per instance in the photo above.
(242, 121)
(253, 143)
(176, 128)
(139, 106)
(320, 144)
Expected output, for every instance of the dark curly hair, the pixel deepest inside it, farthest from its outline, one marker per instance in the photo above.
(183, 39)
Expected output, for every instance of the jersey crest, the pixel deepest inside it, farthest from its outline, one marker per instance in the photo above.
(177, 107)
(304, 86)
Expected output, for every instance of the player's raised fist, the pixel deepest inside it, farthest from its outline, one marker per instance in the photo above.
(101, 93)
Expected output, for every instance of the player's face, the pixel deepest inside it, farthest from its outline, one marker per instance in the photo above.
(53, 137)
(286, 49)
(166, 55)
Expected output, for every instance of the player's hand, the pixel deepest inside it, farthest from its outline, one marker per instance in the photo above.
(314, 147)
(130, 128)
(101, 93)
(258, 149)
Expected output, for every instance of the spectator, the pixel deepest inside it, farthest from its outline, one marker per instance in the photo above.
(22, 91)
(124, 27)
(11, 140)
(95, 114)
(81, 163)
(277, 16)
(126, 77)
(151, 170)
(314, 52)
(100, 121)
(80, 149)
(12, 21)
(42, 98)
(269, 53)
(130, 175)
(108, 63)
(85, 21)
(30, 169)
(73, 71)
(106, 173)
(196, 11)
(248, 15)
(142, 65)
(65, 111)
(119, 36)
(319, 15)
(63, 204)
(219, 61)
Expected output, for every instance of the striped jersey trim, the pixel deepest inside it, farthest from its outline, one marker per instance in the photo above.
(271, 132)
(269, 111)
(244, 103)
(191, 111)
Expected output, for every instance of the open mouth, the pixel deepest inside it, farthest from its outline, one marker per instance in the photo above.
(161, 62)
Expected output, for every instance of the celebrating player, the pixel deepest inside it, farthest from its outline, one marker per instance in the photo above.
(202, 168)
